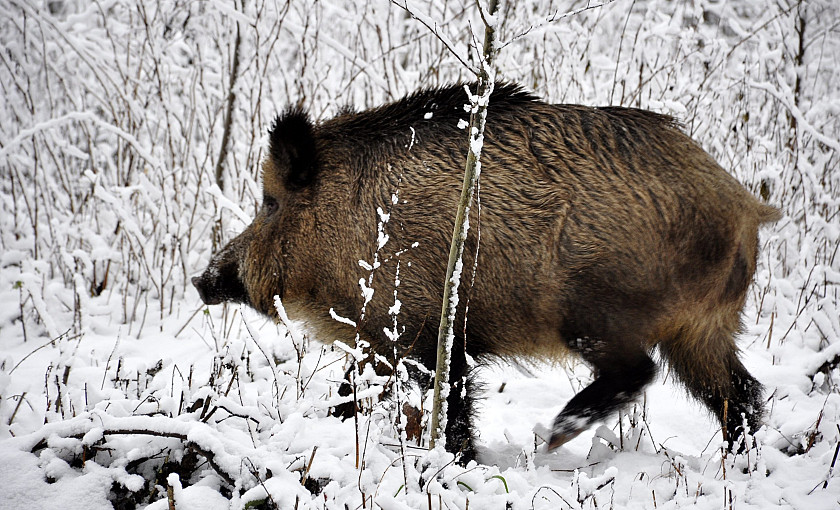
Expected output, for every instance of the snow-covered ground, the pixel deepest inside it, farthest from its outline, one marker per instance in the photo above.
(118, 388)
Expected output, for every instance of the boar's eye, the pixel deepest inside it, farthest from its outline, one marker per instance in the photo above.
(270, 205)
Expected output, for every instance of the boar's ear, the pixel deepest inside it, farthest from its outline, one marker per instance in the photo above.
(292, 148)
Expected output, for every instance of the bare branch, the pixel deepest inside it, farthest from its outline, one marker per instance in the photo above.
(556, 16)
(231, 98)
(433, 27)
(472, 171)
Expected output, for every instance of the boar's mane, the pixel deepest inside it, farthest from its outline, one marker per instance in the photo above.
(430, 113)
(433, 113)
(294, 139)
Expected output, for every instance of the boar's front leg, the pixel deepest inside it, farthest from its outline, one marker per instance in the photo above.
(460, 408)
(621, 374)
(460, 404)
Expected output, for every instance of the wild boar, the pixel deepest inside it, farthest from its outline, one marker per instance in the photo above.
(601, 232)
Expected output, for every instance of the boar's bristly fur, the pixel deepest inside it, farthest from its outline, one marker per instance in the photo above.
(604, 233)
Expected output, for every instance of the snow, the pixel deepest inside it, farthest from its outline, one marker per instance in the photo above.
(117, 385)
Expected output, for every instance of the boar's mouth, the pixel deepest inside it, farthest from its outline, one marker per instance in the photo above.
(217, 285)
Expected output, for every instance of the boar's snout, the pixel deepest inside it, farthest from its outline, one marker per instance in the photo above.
(204, 285)
(220, 281)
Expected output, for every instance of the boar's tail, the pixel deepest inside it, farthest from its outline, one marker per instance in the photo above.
(768, 214)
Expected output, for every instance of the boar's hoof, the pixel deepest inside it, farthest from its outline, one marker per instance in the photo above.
(347, 409)
(565, 429)
(559, 439)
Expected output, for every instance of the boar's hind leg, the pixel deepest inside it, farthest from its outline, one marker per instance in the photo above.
(708, 365)
(621, 374)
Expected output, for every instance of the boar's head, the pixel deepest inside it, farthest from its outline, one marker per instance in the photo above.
(276, 254)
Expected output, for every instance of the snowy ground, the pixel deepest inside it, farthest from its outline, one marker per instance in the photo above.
(118, 389)
(670, 455)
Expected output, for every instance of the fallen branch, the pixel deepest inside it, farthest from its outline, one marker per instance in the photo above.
(85, 430)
